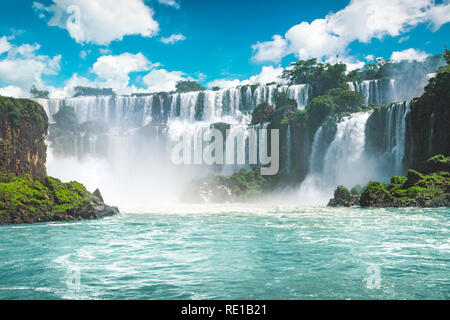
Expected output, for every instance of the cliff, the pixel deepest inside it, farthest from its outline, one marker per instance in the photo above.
(27, 194)
(428, 132)
(23, 128)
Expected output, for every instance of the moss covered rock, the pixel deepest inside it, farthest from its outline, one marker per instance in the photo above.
(343, 198)
(26, 200)
(415, 190)
(375, 195)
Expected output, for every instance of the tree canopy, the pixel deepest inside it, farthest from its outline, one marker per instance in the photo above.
(321, 76)
(188, 86)
(36, 93)
(88, 91)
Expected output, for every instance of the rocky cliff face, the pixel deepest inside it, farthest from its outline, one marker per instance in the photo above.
(23, 129)
(428, 130)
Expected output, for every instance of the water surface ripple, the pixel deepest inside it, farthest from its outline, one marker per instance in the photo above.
(231, 252)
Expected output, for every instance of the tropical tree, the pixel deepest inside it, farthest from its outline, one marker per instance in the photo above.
(188, 86)
(36, 93)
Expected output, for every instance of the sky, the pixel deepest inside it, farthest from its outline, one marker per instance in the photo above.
(149, 45)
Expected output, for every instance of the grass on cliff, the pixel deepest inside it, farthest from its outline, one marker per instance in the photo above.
(25, 195)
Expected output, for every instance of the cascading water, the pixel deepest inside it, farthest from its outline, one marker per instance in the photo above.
(375, 92)
(395, 134)
(343, 164)
(129, 157)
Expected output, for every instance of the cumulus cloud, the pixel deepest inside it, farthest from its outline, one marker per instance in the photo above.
(409, 55)
(4, 45)
(268, 74)
(22, 67)
(170, 3)
(173, 38)
(113, 71)
(12, 91)
(100, 21)
(439, 15)
(162, 80)
(273, 50)
(361, 20)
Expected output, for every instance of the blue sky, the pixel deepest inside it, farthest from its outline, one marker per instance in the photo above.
(123, 43)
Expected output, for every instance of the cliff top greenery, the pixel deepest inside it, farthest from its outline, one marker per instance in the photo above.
(321, 76)
(17, 109)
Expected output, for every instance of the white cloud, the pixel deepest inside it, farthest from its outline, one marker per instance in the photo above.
(361, 20)
(350, 62)
(104, 51)
(173, 38)
(439, 15)
(114, 71)
(84, 54)
(100, 21)
(409, 55)
(4, 45)
(171, 3)
(12, 91)
(224, 84)
(273, 50)
(370, 57)
(23, 67)
(268, 74)
(162, 80)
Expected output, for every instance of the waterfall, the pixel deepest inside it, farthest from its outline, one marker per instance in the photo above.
(344, 161)
(374, 91)
(395, 134)
(125, 147)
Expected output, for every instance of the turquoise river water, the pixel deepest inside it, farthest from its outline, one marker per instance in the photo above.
(232, 252)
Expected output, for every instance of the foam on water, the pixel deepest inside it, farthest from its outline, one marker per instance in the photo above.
(232, 252)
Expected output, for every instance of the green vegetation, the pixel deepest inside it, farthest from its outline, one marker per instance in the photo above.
(23, 109)
(383, 68)
(26, 193)
(23, 194)
(343, 198)
(431, 113)
(35, 93)
(417, 189)
(26, 200)
(88, 91)
(321, 76)
(336, 102)
(66, 119)
(263, 112)
(243, 185)
(188, 86)
(65, 133)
